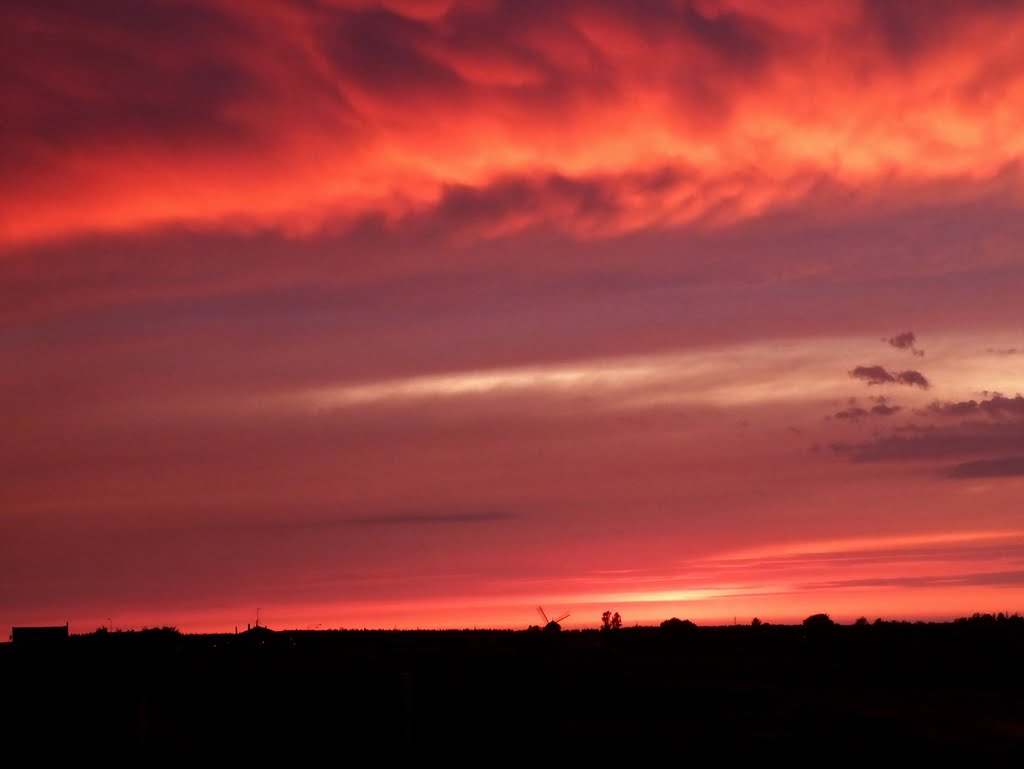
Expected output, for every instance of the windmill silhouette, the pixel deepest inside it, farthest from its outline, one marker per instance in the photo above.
(551, 625)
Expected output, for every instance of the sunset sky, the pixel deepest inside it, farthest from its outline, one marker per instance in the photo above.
(425, 314)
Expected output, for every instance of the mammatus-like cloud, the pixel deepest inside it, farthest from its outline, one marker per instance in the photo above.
(877, 375)
(303, 116)
(906, 341)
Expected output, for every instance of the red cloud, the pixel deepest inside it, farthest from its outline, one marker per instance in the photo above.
(260, 115)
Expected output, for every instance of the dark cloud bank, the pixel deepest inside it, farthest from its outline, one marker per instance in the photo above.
(987, 435)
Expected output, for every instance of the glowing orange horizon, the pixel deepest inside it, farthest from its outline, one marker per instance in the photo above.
(710, 592)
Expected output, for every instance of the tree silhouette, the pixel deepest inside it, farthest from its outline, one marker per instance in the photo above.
(611, 621)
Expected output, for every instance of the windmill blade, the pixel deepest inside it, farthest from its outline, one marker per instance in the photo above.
(562, 617)
(545, 616)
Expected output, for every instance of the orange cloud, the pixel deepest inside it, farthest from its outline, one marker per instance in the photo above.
(603, 119)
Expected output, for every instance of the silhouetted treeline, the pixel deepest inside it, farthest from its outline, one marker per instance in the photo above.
(868, 689)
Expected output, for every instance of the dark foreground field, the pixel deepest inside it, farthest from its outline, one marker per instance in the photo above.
(828, 695)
